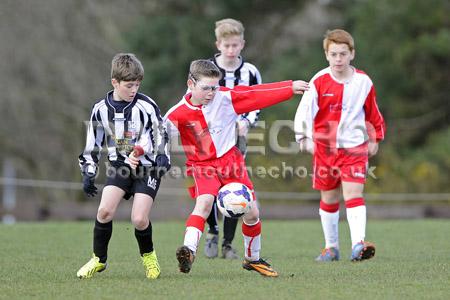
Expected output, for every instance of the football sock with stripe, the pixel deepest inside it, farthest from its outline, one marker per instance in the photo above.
(252, 240)
(356, 217)
(194, 228)
(329, 217)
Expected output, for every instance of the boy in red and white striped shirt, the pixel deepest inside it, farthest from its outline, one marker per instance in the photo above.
(339, 122)
(205, 120)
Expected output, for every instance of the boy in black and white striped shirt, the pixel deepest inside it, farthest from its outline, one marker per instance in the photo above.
(130, 126)
(235, 71)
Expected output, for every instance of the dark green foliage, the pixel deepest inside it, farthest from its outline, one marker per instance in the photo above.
(58, 60)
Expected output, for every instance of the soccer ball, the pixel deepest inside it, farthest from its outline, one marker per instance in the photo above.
(234, 200)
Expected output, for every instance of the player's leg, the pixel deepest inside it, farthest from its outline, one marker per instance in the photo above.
(207, 185)
(196, 221)
(356, 210)
(145, 187)
(212, 238)
(195, 225)
(143, 232)
(111, 196)
(356, 217)
(327, 179)
(354, 162)
(238, 173)
(251, 230)
(212, 220)
(229, 229)
(329, 217)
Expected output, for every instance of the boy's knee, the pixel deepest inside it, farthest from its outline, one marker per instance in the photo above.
(203, 206)
(140, 222)
(204, 211)
(252, 216)
(104, 215)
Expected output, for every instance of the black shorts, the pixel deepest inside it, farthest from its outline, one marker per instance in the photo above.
(142, 180)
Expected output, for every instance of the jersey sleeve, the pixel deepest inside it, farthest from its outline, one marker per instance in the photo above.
(171, 130)
(95, 138)
(249, 98)
(376, 127)
(306, 112)
(154, 136)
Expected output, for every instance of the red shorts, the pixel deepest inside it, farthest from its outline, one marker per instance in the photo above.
(209, 176)
(332, 166)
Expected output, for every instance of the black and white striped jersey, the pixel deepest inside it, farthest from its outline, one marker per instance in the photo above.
(245, 74)
(120, 127)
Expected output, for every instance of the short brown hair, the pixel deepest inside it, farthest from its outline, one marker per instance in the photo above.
(203, 68)
(126, 67)
(228, 27)
(338, 36)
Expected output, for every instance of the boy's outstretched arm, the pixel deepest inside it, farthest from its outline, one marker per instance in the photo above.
(248, 98)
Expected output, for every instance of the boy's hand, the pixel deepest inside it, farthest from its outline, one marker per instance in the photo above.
(88, 184)
(133, 158)
(299, 87)
(373, 148)
(162, 165)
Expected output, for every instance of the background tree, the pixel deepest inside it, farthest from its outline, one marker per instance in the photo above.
(56, 63)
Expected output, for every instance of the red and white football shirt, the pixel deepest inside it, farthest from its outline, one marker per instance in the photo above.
(208, 131)
(339, 114)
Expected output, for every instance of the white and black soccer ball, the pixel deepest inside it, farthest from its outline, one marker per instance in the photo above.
(234, 200)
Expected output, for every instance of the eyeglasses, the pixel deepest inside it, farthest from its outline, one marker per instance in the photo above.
(204, 87)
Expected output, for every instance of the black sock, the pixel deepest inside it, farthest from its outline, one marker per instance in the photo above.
(144, 239)
(212, 220)
(102, 235)
(229, 228)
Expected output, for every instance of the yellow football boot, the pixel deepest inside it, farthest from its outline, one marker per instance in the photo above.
(91, 267)
(151, 265)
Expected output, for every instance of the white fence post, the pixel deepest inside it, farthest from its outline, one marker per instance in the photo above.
(9, 193)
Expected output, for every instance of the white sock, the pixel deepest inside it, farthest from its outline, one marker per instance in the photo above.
(356, 217)
(252, 247)
(252, 240)
(330, 222)
(192, 237)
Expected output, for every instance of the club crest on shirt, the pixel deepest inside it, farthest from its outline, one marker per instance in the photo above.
(132, 125)
(335, 107)
(215, 130)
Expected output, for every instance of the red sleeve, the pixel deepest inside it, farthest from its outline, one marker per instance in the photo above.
(249, 98)
(375, 124)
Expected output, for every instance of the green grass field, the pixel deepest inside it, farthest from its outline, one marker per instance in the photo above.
(40, 260)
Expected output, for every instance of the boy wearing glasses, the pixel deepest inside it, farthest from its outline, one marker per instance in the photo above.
(205, 120)
(235, 71)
